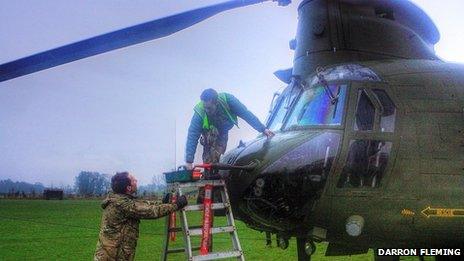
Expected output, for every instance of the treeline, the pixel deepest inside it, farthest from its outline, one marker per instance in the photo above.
(86, 184)
(10, 187)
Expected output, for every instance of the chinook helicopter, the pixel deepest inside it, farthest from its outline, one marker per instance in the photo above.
(369, 150)
(369, 144)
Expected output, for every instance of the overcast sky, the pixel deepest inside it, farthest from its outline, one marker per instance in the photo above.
(117, 111)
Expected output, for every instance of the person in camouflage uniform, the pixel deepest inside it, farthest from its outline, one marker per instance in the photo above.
(121, 217)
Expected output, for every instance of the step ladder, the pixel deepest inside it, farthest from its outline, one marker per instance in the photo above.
(189, 231)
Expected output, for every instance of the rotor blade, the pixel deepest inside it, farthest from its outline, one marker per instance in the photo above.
(114, 40)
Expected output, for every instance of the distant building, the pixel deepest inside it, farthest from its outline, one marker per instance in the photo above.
(53, 194)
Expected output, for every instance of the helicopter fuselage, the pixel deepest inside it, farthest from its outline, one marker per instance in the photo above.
(369, 144)
(387, 152)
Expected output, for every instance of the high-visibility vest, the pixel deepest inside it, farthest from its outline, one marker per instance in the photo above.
(222, 98)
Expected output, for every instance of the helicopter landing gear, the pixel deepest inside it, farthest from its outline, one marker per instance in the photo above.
(268, 239)
(282, 242)
(305, 248)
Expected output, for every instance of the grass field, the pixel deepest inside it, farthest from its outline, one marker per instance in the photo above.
(68, 230)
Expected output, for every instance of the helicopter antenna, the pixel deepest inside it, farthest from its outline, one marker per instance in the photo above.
(175, 144)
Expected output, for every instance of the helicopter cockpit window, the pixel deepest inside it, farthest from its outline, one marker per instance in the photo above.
(366, 163)
(283, 104)
(365, 113)
(316, 107)
(347, 72)
(388, 114)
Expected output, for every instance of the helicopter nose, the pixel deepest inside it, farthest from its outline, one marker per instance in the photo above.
(289, 179)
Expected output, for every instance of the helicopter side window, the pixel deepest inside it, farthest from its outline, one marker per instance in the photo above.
(388, 114)
(283, 104)
(317, 107)
(366, 163)
(365, 113)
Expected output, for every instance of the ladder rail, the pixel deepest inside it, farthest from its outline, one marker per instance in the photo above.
(186, 229)
(164, 255)
(231, 222)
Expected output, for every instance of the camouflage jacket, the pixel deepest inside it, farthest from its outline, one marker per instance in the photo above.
(120, 225)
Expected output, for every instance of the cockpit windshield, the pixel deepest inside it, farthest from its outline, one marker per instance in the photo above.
(319, 103)
(283, 104)
(316, 107)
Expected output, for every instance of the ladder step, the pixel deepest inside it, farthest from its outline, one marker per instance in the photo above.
(218, 255)
(200, 207)
(176, 250)
(179, 229)
(200, 183)
(214, 230)
(181, 250)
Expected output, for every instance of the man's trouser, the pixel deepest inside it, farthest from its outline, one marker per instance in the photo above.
(214, 145)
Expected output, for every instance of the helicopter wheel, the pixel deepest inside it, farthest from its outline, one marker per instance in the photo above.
(305, 249)
(282, 242)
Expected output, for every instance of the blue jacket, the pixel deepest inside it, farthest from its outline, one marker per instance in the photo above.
(223, 126)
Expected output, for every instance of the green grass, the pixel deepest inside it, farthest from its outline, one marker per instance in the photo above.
(68, 230)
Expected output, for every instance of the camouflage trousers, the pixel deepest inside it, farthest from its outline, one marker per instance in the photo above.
(110, 253)
(214, 145)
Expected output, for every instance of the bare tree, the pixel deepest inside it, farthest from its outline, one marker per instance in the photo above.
(159, 182)
(92, 183)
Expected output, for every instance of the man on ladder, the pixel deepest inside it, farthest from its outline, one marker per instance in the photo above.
(213, 117)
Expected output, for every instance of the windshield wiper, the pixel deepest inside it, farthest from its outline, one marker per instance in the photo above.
(323, 82)
(336, 103)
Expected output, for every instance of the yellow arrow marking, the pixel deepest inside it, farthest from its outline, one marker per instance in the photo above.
(443, 212)
(407, 213)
